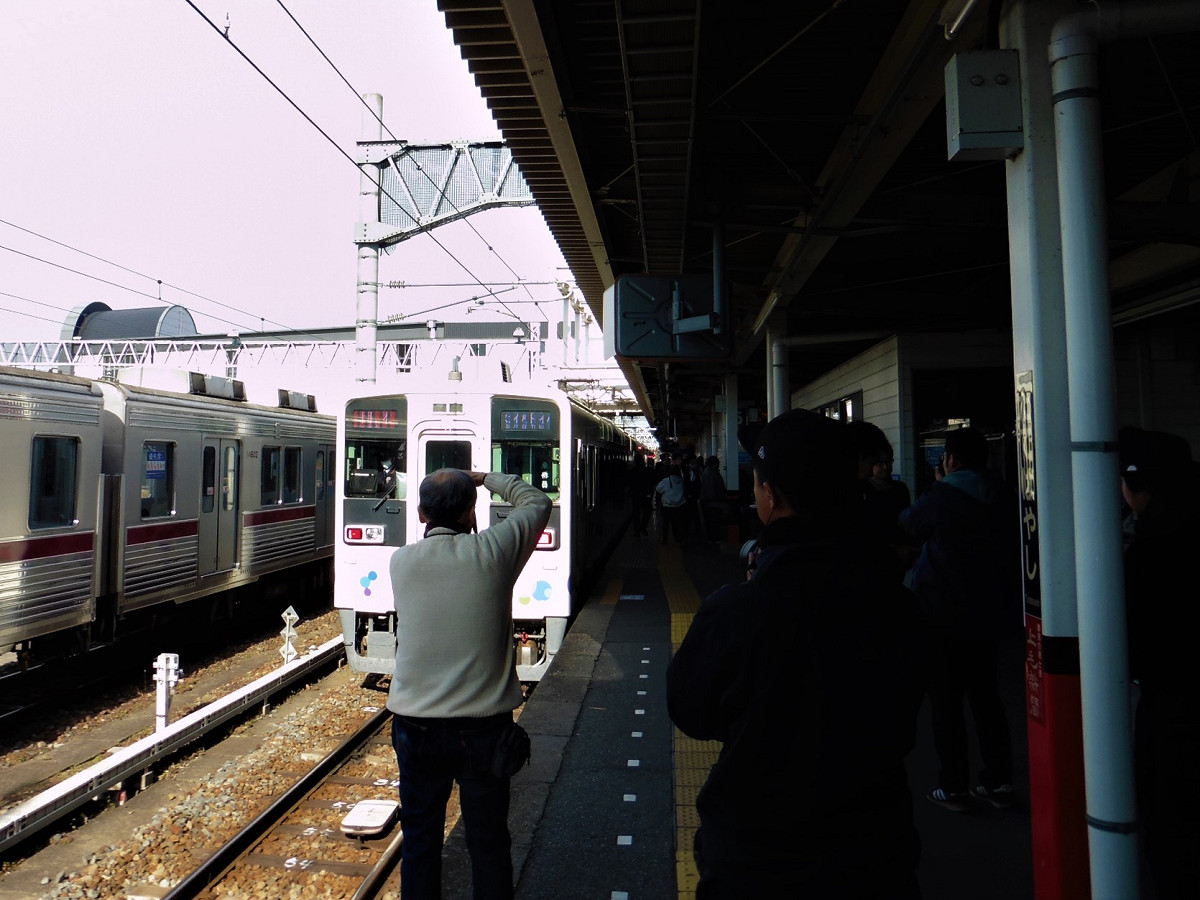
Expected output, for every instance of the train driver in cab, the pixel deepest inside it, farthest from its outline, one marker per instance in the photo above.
(391, 476)
(385, 481)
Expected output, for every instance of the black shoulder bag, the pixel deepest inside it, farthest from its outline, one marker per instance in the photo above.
(512, 752)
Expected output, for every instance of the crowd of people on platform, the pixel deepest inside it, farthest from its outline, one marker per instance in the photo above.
(865, 602)
(689, 492)
(859, 603)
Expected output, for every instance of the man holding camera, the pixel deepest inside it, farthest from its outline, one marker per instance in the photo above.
(455, 684)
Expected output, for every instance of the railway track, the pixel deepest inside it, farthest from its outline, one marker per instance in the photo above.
(297, 841)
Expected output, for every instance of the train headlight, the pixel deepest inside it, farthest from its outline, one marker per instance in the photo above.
(547, 540)
(364, 534)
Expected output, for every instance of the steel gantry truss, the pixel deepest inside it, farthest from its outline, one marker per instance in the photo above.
(406, 189)
(422, 186)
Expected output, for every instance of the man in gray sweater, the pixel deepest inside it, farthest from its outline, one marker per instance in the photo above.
(456, 685)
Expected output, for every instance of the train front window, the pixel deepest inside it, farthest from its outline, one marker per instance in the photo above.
(525, 442)
(52, 485)
(376, 449)
(158, 479)
(447, 455)
(537, 463)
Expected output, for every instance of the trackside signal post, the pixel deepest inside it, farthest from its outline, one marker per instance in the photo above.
(288, 650)
(406, 189)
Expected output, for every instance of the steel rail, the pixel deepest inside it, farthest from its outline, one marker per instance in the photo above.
(374, 883)
(216, 866)
(23, 820)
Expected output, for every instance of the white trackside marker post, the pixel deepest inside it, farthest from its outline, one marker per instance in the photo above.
(288, 650)
(167, 674)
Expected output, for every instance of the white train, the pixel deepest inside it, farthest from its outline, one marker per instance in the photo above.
(123, 497)
(579, 459)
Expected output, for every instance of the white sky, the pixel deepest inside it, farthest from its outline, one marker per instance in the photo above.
(131, 130)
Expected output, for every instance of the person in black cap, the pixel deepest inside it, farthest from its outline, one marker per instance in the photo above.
(810, 675)
(1161, 486)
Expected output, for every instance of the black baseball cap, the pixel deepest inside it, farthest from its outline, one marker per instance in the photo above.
(802, 453)
(1149, 459)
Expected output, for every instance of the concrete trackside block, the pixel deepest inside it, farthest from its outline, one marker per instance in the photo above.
(555, 717)
(545, 758)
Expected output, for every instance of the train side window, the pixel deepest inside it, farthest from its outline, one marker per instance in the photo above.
(208, 480)
(52, 485)
(319, 479)
(158, 479)
(270, 476)
(292, 492)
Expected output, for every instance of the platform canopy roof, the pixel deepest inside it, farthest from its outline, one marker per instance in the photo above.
(815, 134)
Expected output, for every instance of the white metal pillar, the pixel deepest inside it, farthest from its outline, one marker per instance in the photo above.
(367, 311)
(1104, 670)
(779, 397)
(1044, 449)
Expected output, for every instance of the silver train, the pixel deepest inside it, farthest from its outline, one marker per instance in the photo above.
(391, 439)
(123, 497)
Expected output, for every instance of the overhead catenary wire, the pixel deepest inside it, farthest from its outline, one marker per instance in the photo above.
(123, 268)
(424, 229)
(30, 315)
(442, 191)
(160, 282)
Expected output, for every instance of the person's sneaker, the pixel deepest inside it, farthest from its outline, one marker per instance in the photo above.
(948, 800)
(1000, 797)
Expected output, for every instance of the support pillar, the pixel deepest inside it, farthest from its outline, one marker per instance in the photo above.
(1053, 693)
(730, 448)
(366, 323)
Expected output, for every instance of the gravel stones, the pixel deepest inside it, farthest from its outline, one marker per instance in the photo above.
(164, 850)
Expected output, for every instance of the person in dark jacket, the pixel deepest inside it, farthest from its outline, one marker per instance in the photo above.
(884, 498)
(966, 580)
(713, 501)
(810, 675)
(1161, 486)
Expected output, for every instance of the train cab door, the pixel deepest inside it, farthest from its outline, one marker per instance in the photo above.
(446, 450)
(219, 505)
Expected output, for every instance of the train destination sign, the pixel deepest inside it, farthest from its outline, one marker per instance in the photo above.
(526, 420)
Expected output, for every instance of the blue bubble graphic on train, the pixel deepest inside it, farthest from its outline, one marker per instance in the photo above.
(365, 581)
(542, 591)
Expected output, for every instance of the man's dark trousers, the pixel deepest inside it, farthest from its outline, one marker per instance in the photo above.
(967, 668)
(434, 753)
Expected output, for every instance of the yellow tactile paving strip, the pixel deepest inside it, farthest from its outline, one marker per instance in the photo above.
(693, 758)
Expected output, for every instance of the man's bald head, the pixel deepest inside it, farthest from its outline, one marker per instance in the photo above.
(446, 495)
